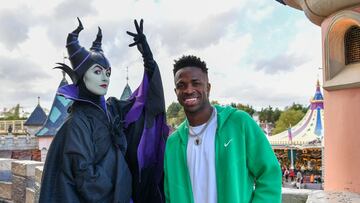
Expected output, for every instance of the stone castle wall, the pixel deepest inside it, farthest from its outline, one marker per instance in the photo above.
(23, 147)
(20, 182)
(32, 154)
(18, 142)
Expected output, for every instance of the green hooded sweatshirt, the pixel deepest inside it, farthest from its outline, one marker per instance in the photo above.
(246, 167)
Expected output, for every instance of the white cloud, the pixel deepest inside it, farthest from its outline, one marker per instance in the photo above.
(288, 77)
(280, 63)
(212, 30)
(16, 24)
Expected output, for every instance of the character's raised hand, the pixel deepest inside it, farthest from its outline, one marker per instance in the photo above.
(140, 39)
(140, 35)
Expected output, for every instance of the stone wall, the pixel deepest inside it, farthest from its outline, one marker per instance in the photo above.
(23, 177)
(18, 180)
(38, 175)
(292, 195)
(18, 142)
(329, 197)
(31, 154)
(5, 179)
(23, 147)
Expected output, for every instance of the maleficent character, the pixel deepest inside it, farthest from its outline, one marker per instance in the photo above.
(107, 151)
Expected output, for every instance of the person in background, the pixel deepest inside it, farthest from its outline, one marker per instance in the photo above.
(292, 174)
(298, 179)
(286, 174)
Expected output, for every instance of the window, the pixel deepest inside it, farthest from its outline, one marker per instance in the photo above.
(352, 45)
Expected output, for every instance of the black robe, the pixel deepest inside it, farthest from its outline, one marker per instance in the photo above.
(145, 134)
(83, 164)
(147, 179)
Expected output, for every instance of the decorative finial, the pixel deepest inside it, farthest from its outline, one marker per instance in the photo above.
(127, 74)
(317, 75)
(64, 57)
(38, 100)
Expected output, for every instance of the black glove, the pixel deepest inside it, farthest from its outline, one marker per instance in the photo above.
(140, 40)
(143, 47)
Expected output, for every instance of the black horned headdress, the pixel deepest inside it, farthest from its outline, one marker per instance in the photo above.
(80, 58)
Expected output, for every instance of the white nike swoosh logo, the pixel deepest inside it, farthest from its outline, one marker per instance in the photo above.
(226, 144)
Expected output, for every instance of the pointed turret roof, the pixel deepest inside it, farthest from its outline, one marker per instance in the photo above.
(63, 81)
(126, 93)
(318, 100)
(37, 117)
(57, 115)
(127, 90)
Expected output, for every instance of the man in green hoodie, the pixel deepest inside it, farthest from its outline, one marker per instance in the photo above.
(218, 154)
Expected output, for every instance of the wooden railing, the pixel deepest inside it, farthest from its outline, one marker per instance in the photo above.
(16, 125)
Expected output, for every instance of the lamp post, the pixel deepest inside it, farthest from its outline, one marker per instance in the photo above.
(291, 148)
(291, 156)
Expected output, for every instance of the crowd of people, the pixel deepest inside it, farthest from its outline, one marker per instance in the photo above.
(300, 176)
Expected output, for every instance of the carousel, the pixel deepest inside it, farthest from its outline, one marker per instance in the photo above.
(300, 148)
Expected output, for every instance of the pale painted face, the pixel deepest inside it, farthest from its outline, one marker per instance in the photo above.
(97, 79)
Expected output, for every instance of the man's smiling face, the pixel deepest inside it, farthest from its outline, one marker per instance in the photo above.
(192, 89)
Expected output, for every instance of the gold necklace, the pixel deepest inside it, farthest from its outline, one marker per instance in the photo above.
(198, 135)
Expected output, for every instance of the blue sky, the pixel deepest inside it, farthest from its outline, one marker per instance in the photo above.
(258, 52)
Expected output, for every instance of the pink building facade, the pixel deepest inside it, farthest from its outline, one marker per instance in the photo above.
(340, 26)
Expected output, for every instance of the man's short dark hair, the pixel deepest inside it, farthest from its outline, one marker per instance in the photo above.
(189, 61)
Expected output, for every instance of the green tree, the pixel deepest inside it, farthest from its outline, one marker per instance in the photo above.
(269, 115)
(213, 102)
(266, 114)
(277, 113)
(13, 113)
(247, 108)
(173, 110)
(287, 118)
(300, 107)
(175, 114)
(180, 117)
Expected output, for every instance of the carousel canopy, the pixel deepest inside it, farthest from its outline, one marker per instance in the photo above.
(309, 132)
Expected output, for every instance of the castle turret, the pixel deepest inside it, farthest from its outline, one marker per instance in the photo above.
(36, 119)
(127, 91)
(54, 121)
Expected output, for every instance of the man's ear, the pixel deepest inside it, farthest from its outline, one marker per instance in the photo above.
(208, 89)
